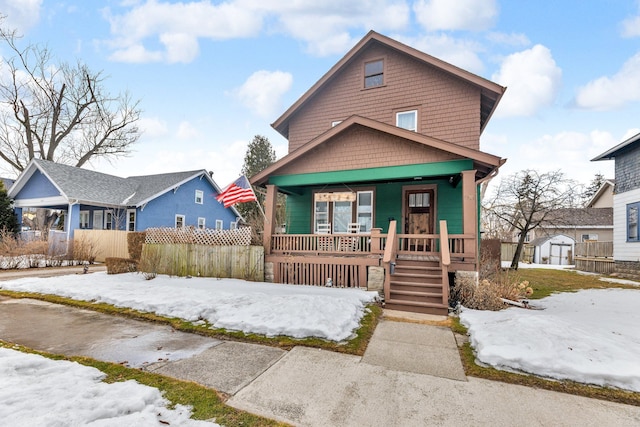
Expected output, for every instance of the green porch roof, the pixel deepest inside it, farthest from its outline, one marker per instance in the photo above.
(422, 170)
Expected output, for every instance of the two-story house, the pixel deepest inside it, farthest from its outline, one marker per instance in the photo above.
(384, 160)
(626, 205)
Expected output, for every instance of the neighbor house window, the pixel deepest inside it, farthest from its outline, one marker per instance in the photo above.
(219, 224)
(131, 220)
(632, 222)
(407, 120)
(589, 237)
(233, 225)
(199, 196)
(84, 219)
(201, 222)
(179, 221)
(108, 220)
(374, 73)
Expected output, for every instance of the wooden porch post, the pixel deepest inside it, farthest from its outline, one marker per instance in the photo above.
(270, 217)
(470, 211)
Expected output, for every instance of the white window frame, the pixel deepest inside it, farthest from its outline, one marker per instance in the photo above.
(108, 219)
(202, 223)
(405, 113)
(233, 225)
(98, 220)
(358, 211)
(131, 225)
(199, 197)
(219, 224)
(180, 219)
(364, 211)
(84, 224)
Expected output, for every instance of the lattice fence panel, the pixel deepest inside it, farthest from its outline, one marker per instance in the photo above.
(189, 235)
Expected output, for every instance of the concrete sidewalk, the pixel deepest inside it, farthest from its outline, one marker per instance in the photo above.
(410, 375)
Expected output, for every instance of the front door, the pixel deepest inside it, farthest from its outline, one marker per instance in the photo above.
(419, 216)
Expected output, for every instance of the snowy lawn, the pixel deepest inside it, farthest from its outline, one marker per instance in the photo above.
(70, 394)
(261, 308)
(591, 336)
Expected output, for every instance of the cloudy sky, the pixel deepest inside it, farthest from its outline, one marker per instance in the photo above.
(211, 75)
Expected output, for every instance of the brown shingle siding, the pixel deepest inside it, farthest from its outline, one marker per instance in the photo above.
(448, 108)
(361, 147)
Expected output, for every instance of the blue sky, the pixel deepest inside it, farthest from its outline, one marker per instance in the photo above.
(212, 75)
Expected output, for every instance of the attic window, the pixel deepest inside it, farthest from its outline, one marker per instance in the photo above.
(407, 120)
(374, 73)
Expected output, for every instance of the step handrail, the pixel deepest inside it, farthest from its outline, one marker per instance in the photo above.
(389, 256)
(445, 260)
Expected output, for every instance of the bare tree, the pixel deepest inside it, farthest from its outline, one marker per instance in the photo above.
(59, 112)
(525, 200)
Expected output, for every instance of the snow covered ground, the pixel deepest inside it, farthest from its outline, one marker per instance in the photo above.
(262, 308)
(70, 394)
(591, 336)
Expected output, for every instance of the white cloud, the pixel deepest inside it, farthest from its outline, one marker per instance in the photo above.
(473, 15)
(567, 151)
(152, 127)
(325, 26)
(459, 52)
(510, 39)
(187, 132)
(263, 90)
(532, 79)
(21, 14)
(177, 26)
(630, 27)
(606, 93)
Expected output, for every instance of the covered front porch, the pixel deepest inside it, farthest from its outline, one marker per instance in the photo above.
(398, 245)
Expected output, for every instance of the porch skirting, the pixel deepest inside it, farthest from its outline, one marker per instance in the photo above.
(338, 271)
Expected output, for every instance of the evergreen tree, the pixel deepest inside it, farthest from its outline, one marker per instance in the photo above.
(8, 220)
(593, 187)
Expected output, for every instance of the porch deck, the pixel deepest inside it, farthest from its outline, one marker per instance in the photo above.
(342, 260)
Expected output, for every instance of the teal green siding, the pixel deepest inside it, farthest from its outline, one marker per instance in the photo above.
(388, 204)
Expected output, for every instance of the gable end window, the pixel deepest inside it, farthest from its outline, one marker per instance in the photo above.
(632, 222)
(199, 196)
(407, 120)
(374, 73)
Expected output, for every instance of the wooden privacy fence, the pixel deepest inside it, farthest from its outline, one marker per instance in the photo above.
(104, 243)
(596, 257)
(239, 262)
(508, 250)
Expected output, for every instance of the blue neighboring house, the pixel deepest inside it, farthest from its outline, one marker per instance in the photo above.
(94, 200)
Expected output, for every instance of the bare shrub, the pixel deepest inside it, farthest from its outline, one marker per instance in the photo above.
(487, 294)
(150, 262)
(84, 250)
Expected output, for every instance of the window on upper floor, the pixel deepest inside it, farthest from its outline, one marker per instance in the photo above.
(179, 221)
(374, 73)
(632, 222)
(199, 196)
(407, 120)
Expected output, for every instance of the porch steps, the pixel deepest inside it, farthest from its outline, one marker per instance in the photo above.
(416, 286)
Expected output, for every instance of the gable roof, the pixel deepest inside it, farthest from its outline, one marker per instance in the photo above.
(90, 187)
(485, 162)
(490, 91)
(606, 185)
(618, 149)
(580, 217)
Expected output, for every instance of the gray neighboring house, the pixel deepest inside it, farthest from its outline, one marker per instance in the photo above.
(94, 200)
(626, 205)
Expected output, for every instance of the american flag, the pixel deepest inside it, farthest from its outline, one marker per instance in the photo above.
(239, 191)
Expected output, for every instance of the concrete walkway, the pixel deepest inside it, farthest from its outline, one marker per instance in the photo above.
(410, 374)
